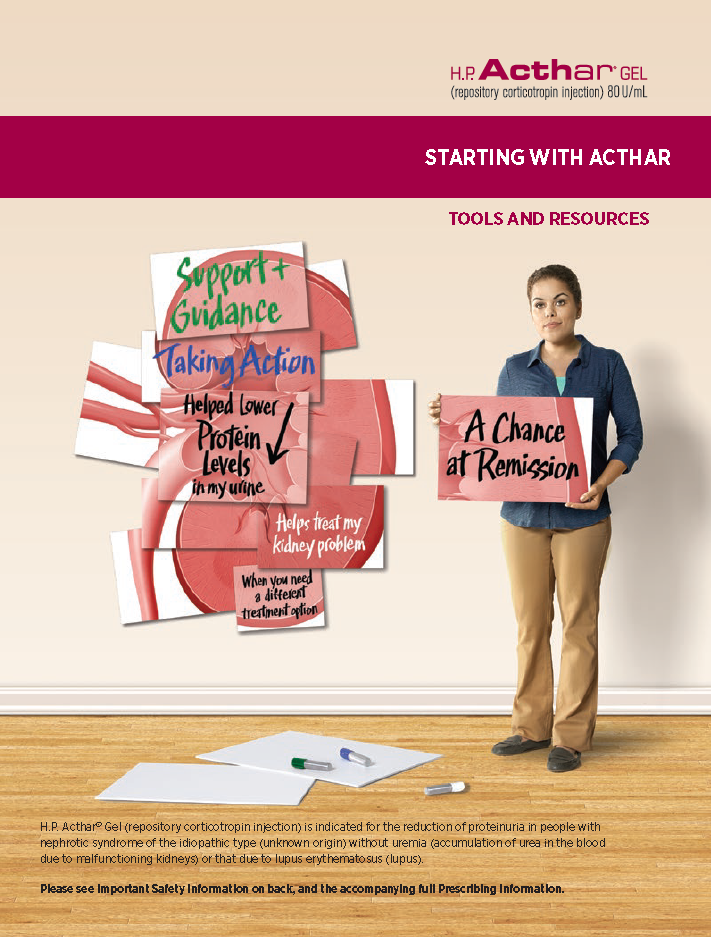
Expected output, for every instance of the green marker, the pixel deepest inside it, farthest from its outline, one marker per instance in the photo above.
(313, 765)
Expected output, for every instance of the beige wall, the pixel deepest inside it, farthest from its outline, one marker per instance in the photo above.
(322, 57)
(438, 304)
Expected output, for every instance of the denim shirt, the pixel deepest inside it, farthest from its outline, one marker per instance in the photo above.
(599, 373)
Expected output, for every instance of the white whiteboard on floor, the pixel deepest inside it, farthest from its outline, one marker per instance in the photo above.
(207, 784)
(274, 752)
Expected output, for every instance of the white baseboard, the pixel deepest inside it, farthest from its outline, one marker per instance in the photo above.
(366, 701)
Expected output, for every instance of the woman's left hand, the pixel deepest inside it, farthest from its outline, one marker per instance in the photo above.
(590, 501)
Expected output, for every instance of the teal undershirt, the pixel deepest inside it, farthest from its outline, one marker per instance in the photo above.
(560, 381)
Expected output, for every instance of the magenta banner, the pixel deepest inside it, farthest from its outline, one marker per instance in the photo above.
(355, 157)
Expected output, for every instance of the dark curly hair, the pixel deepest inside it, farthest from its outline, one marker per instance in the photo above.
(556, 272)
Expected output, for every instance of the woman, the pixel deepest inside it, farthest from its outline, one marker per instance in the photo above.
(562, 547)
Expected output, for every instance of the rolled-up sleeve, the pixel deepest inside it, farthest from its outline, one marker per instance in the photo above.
(625, 412)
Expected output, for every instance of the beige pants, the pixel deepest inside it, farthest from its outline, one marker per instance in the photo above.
(570, 563)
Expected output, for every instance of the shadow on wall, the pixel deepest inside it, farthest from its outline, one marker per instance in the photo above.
(661, 506)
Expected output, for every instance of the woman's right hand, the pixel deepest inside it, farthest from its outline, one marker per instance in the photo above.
(434, 408)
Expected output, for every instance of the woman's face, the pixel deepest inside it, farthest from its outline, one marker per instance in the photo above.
(554, 311)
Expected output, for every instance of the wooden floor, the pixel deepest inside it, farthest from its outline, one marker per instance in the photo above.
(647, 784)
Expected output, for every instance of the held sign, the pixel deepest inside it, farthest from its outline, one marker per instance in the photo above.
(514, 448)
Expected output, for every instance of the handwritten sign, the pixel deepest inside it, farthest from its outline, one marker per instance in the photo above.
(222, 292)
(278, 598)
(234, 446)
(338, 528)
(284, 362)
(514, 448)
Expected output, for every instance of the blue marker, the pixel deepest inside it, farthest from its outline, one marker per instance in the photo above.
(356, 758)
